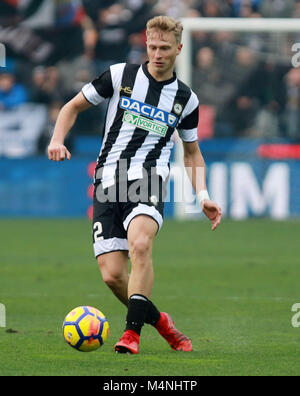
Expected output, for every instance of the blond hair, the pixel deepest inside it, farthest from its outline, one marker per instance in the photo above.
(165, 24)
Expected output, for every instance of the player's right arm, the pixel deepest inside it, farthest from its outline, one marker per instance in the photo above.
(57, 151)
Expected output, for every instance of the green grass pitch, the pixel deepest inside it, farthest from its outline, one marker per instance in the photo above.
(231, 291)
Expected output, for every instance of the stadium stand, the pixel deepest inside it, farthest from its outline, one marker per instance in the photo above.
(246, 84)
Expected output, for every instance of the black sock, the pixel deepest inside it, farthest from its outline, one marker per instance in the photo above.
(153, 314)
(137, 312)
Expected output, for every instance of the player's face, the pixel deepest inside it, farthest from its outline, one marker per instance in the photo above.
(162, 50)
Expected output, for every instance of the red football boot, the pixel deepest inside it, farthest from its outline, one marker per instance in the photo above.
(177, 340)
(129, 343)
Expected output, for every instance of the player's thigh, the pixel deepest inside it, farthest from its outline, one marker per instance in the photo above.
(141, 234)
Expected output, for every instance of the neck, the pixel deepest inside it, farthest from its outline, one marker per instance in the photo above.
(163, 76)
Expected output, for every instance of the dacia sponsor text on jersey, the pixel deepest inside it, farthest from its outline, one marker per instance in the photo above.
(148, 111)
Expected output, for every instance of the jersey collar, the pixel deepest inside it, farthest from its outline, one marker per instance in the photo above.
(152, 79)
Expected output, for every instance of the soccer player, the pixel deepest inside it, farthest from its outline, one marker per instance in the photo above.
(146, 103)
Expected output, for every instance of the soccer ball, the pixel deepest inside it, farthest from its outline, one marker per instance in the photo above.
(85, 328)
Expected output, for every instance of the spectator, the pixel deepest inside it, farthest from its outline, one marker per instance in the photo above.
(137, 53)
(292, 103)
(74, 75)
(212, 89)
(55, 27)
(215, 8)
(296, 11)
(243, 107)
(114, 25)
(20, 40)
(277, 8)
(174, 8)
(12, 93)
(269, 121)
(47, 86)
(244, 8)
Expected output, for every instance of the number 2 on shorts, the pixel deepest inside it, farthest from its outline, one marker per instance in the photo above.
(98, 231)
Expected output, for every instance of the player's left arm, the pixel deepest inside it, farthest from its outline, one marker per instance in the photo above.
(195, 166)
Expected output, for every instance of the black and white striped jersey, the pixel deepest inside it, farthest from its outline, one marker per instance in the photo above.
(141, 118)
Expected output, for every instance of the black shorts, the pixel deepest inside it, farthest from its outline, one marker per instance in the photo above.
(115, 207)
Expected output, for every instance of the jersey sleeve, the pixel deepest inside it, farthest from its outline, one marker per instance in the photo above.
(187, 127)
(99, 89)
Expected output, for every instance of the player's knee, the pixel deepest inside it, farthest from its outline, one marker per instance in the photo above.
(140, 246)
(113, 279)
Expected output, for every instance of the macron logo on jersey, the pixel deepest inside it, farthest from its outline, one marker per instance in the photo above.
(148, 111)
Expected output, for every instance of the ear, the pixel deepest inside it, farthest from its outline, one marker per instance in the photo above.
(179, 48)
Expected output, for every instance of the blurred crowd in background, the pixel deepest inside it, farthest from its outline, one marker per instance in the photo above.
(246, 84)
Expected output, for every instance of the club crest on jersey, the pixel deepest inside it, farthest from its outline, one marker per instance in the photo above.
(149, 111)
(177, 108)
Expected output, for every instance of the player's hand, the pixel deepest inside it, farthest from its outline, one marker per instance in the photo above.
(58, 152)
(213, 212)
